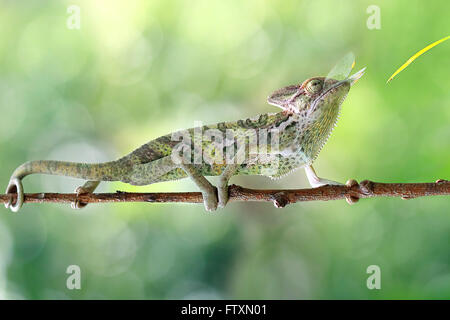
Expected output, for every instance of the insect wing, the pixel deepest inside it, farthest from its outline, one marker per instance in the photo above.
(343, 68)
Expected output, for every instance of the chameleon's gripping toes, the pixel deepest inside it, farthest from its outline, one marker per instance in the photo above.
(310, 111)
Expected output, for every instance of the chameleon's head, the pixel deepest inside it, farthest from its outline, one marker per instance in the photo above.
(314, 95)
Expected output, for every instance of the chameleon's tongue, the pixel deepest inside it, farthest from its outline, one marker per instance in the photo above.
(356, 76)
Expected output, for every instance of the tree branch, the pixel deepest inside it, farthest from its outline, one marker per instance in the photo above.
(351, 192)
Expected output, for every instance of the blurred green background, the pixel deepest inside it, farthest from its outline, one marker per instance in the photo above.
(140, 69)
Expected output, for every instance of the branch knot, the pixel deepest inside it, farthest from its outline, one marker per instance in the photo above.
(280, 199)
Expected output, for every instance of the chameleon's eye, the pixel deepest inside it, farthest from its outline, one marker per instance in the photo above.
(314, 86)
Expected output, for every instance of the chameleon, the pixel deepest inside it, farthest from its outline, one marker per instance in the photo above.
(309, 113)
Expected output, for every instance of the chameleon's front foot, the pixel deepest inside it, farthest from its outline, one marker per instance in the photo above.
(315, 181)
(15, 187)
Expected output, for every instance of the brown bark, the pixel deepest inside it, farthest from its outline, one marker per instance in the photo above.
(352, 192)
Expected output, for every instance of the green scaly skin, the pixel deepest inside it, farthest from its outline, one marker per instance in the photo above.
(310, 111)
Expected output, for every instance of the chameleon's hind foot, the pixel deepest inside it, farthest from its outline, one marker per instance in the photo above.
(210, 200)
(222, 190)
(88, 187)
(77, 204)
(15, 187)
(222, 194)
(209, 192)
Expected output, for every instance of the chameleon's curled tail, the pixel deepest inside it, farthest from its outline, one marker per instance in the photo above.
(108, 171)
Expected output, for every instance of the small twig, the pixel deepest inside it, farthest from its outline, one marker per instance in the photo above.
(280, 198)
